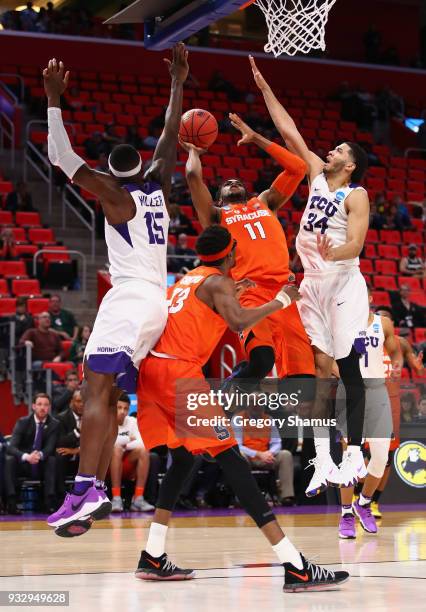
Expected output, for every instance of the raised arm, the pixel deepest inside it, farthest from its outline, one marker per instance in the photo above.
(60, 151)
(358, 209)
(286, 182)
(223, 293)
(207, 213)
(164, 159)
(392, 347)
(286, 126)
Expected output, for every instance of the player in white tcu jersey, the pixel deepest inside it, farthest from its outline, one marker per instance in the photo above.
(378, 426)
(334, 304)
(133, 313)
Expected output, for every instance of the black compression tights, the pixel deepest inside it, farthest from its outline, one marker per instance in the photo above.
(350, 375)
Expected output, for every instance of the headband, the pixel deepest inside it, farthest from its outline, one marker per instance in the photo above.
(126, 174)
(220, 254)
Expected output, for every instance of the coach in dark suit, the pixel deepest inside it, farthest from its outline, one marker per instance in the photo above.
(31, 452)
(68, 445)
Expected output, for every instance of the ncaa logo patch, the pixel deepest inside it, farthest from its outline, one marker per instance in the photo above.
(376, 328)
(410, 463)
(340, 195)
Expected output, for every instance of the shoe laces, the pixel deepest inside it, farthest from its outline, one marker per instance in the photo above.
(347, 519)
(367, 509)
(313, 462)
(319, 572)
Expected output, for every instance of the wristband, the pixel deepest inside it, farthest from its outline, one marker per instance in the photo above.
(283, 298)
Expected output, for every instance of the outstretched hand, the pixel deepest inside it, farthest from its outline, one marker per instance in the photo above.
(188, 147)
(325, 247)
(247, 133)
(179, 66)
(55, 78)
(258, 77)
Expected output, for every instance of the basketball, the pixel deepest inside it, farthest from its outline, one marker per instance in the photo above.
(198, 127)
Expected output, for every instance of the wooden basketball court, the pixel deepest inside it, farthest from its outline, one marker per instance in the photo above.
(235, 567)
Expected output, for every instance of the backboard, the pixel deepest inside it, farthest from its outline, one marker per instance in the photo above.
(169, 21)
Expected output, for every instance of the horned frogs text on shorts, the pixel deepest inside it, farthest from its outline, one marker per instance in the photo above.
(378, 415)
(334, 305)
(133, 313)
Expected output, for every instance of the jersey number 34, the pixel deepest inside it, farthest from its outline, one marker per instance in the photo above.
(313, 222)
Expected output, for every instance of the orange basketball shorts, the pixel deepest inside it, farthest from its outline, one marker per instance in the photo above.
(169, 412)
(283, 331)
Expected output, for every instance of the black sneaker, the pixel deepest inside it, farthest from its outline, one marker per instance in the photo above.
(160, 568)
(311, 577)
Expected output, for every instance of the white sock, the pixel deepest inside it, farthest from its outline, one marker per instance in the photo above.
(156, 544)
(322, 442)
(363, 501)
(353, 449)
(287, 553)
(347, 509)
(84, 478)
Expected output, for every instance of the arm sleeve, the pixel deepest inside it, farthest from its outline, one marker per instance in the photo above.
(245, 450)
(59, 146)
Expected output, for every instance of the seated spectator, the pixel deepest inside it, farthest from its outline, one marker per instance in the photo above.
(7, 244)
(68, 444)
(133, 138)
(402, 212)
(63, 321)
(262, 449)
(130, 459)
(79, 345)
(150, 141)
(409, 410)
(179, 222)
(412, 265)
(406, 313)
(62, 394)
(95, 145)
(45, 343)
(20, 199)
(23, 319)
(421, 409)
(29, 18)
(182, 249)
(31, 453)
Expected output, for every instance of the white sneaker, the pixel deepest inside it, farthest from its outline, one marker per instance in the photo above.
(326, 472)
(139, 504)
(352, 468)
(117, 504)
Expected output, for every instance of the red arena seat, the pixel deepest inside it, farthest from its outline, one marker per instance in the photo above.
(7, 307)
(30, 287)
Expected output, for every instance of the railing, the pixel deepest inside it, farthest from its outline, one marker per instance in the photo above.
(91, 226)
(21, 85)
(7, 127)
(414, 150)
(68, 252)
(224, 367)
(29, 375)
(11, 352)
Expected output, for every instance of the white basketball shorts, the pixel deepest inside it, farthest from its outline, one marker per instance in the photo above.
(334, 309)
(130, 320)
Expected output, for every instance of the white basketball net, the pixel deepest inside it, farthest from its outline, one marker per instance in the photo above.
(295, 25)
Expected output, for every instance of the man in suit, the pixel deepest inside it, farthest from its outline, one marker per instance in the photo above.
(31, 452)
(68, 446)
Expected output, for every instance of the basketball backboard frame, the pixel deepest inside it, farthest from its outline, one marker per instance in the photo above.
(166, 22)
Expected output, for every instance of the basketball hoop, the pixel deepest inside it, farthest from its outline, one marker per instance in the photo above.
(295, 25)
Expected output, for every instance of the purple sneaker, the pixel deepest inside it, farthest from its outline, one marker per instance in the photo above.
(366, 518)
(347, 527)
(78, 512)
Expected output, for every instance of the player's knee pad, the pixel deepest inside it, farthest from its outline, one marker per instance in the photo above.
(349, 368)
(238, 474)
(390, 457)
(261, 361)
(379, 451)
(172, 483)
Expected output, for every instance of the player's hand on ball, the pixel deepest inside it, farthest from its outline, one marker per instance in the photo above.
(325, 247)
(188, 147)
(258, 78)
(179, 66)
(246, 131)
(55, 78)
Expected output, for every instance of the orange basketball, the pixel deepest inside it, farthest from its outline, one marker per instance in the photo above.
(198, 127)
